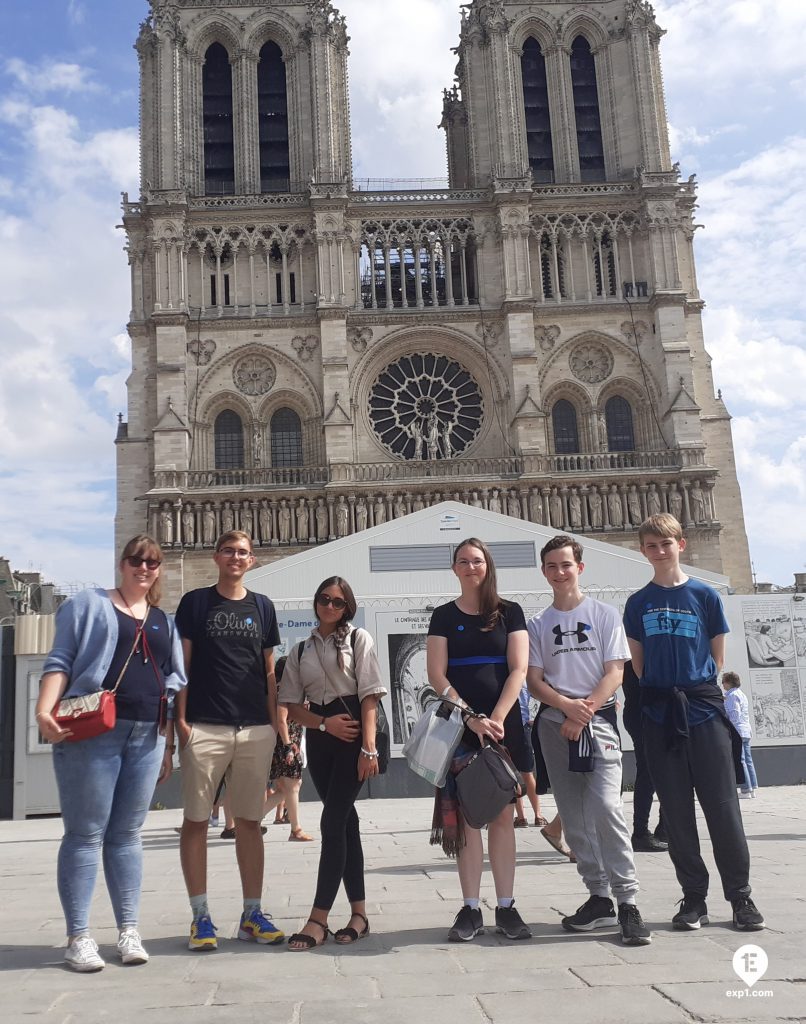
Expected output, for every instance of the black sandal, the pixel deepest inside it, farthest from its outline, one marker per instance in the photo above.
(308, 941)
(347, 936)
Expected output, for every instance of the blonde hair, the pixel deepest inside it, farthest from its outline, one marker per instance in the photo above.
(660, 525)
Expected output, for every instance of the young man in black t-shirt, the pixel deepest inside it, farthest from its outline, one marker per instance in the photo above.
(225, 724)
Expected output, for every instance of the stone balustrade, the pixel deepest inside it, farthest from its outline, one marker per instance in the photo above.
(597, 464)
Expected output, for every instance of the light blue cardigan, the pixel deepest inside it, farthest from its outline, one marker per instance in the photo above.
(85, 640)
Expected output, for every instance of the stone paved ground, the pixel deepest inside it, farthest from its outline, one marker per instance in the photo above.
(405, 971)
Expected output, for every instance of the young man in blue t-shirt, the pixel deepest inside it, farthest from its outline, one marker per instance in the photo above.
(676, 629)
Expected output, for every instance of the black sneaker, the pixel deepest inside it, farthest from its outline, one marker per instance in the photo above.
(467, 926)
(647, 843)
(692, 913)
(633, 930)
(510, 923)
(746, 915)
(596, 912)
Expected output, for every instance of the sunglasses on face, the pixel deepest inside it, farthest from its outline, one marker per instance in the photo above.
(326, 600)
(135, 561)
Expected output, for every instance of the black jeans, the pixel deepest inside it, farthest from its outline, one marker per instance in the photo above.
(333, 765)
(703, 764)
(643, 790)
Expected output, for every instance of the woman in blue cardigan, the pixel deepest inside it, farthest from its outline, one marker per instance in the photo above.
(106, 638)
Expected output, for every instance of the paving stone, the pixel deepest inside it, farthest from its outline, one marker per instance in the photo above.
(405, 970)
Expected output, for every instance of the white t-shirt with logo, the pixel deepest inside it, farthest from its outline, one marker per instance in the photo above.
(572, 647)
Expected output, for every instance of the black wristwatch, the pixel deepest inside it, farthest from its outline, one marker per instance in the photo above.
(322, 727)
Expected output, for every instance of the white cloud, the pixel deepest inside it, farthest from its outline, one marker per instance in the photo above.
(750, 260)
(64, 362)
(399, 65)
(719, 47)
(50, 76)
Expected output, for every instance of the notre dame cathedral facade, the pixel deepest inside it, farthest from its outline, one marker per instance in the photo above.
(311, 356)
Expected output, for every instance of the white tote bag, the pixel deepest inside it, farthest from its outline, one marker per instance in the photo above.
(434, 739)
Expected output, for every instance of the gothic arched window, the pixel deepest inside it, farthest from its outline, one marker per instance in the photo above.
(564, 424)
(552, 287)
(536, 107)
(228, 432)
(606, 285)
(286, 438)
(618, 419)
(586, 111)
(272, 103)
(219, 150)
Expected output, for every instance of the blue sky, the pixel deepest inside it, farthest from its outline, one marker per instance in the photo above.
(735, 76)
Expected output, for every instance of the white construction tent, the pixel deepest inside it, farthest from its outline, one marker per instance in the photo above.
(401, 570)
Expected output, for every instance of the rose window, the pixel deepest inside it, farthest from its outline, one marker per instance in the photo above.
(254, 375)
(591, 363)
(425, 406)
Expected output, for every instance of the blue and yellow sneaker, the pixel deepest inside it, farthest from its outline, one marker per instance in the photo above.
(257, 927)
(202, 934)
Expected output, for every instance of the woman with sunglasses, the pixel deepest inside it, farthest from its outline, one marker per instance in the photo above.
(477, 653)
(336, 670)
(104, 639)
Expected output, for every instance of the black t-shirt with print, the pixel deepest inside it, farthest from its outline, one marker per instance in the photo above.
(227, 679)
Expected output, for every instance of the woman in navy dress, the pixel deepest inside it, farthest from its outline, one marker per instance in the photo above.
(478, 651)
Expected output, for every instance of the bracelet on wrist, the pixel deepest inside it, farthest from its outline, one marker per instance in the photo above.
(369, 753)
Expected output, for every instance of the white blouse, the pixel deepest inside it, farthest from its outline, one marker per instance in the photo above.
(315, 674)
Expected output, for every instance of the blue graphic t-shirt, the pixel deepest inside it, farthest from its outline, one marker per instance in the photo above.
(675, 626)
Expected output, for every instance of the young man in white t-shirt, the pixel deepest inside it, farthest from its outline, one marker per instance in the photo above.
(577, 650)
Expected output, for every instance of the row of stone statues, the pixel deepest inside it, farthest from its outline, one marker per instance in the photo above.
(301, 521)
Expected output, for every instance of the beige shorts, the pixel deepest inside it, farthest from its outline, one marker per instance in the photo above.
(214, 752)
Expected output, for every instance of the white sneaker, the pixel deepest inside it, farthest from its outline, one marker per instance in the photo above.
(82, 955)
(213, 822)
(130, 947)
(746, 794)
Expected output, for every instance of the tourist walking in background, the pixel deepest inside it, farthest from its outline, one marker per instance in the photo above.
(643, 841)
(286, 768)
(738, 710)
(107, 639)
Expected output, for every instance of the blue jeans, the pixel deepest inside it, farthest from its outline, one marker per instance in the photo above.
(105, 788)
(750, 780)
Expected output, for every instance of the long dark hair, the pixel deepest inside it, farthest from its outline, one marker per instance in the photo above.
(143, 546)
(490, 604)
(343, 628)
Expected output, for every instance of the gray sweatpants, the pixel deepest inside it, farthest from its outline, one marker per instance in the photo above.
(591, 809)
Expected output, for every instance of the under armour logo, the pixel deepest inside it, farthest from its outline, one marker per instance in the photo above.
(580, 633)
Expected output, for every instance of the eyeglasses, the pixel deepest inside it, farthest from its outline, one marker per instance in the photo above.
(234, 553)
(470, 563)
(326, 600)
(136, 561)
